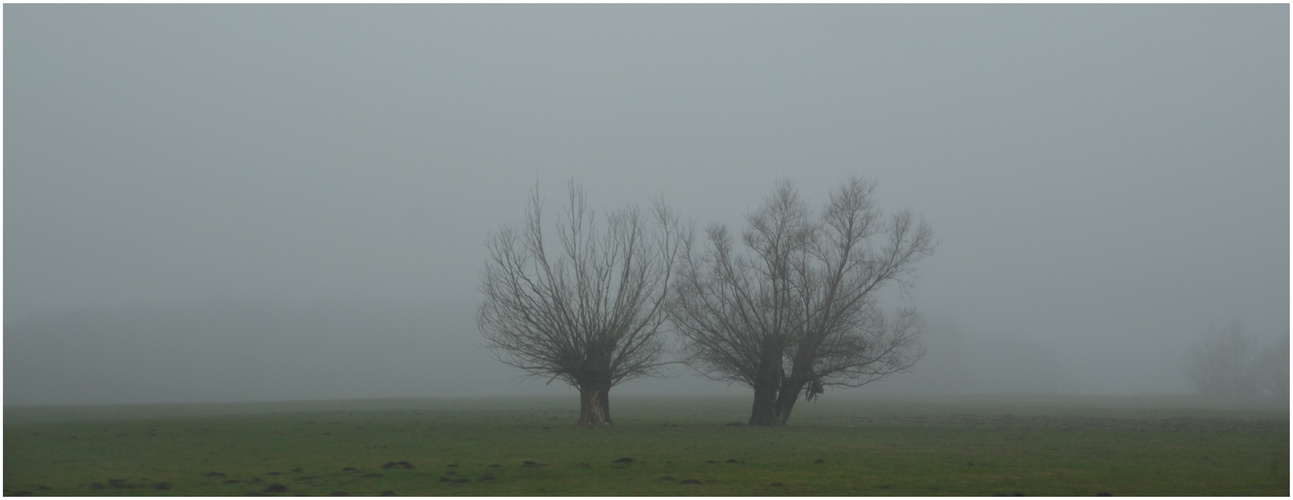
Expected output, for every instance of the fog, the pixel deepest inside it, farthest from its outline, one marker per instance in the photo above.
(271, 202)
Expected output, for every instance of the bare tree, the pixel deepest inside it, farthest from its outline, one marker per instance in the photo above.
(590, 313)
(802, 296)
(1273, 368)
(1226, 362)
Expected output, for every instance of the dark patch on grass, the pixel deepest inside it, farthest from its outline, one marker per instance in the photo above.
(450, 466)
(388, 493)
(339, 494)
(819, 461)
(584, 464)
(349, 469)
(96, 486)
(625, 460)
(162, 486)
(732, 461)
(277, 488)
(883, 486)
(776, 484)
(120, 483)
(397, 465)
(710, 462)
(275, 473)
(214, 474)
(495, 465)
(486, 478)
(528, 463)
(1103, 494)
(690, 481)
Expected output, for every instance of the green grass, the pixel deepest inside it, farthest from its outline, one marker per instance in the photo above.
(844, 447)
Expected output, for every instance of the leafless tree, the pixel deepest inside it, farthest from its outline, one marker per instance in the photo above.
(589, 313)
(1273, 368)
(801, 295)
(1226, 362)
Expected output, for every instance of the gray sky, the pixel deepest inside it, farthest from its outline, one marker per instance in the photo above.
(1104, 180)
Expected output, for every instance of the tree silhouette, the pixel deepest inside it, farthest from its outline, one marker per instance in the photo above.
(796, 309)
(589, 314)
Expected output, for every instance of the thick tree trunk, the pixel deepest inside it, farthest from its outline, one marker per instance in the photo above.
(605, 399)
(595, 405)
(766, 387)
(764, 411)
(786, 399)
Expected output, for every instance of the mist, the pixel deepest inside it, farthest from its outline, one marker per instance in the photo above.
(289, 202)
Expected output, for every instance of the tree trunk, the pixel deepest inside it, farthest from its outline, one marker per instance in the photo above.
(764, 411)
(605, 398)
(595, 405)
(786, 399)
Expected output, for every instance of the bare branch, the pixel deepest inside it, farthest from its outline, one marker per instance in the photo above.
(802, 295)
(590, 314)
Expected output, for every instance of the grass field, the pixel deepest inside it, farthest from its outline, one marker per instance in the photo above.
(1069, 446)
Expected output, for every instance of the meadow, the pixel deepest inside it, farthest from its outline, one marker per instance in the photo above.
(690, 446)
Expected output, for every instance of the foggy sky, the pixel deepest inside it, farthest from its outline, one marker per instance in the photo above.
(247, 202)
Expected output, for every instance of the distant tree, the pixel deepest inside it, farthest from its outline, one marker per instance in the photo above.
(1273, 369)
(796, 310)
(589, 313)
(1223, 363)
